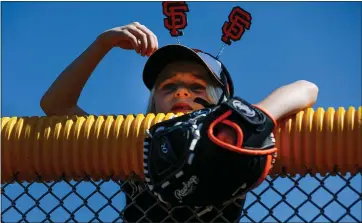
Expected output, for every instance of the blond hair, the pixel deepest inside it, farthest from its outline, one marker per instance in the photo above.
(213, 92)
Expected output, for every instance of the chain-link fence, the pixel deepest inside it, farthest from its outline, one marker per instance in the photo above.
(310, 198)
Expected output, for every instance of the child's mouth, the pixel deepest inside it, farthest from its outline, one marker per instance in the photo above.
(181, 107)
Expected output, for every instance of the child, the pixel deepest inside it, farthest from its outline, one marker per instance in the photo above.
(175, 75)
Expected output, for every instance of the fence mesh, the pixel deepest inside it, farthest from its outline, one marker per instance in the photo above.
(310, 198)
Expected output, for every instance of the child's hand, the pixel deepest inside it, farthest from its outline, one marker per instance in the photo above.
(132, 36)
(226, 134)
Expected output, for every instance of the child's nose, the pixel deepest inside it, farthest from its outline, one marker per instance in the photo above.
(182, 92)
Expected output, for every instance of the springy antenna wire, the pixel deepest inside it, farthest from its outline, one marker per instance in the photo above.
(220, 51)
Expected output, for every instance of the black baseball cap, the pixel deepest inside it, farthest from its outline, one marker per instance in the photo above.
(171, 53)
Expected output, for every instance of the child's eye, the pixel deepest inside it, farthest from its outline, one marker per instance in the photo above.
(198, 88)
(169, 87)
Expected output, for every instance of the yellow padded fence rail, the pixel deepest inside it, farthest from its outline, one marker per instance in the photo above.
(314, 141)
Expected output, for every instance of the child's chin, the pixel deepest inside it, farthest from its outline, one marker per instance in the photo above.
(181, 111)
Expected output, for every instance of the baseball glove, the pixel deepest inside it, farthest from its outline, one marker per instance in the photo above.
(186, 164)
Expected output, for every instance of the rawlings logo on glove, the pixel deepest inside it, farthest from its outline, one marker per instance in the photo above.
(185, 163)
(187, 188)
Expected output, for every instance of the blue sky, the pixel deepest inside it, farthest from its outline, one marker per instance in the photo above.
(288, 41)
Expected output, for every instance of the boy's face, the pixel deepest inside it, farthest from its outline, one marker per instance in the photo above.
(185, 82)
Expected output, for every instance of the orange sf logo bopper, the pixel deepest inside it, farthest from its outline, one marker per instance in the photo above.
(239, 20)
(176, 18)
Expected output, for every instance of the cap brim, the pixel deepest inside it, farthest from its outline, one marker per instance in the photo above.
(166, 55)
